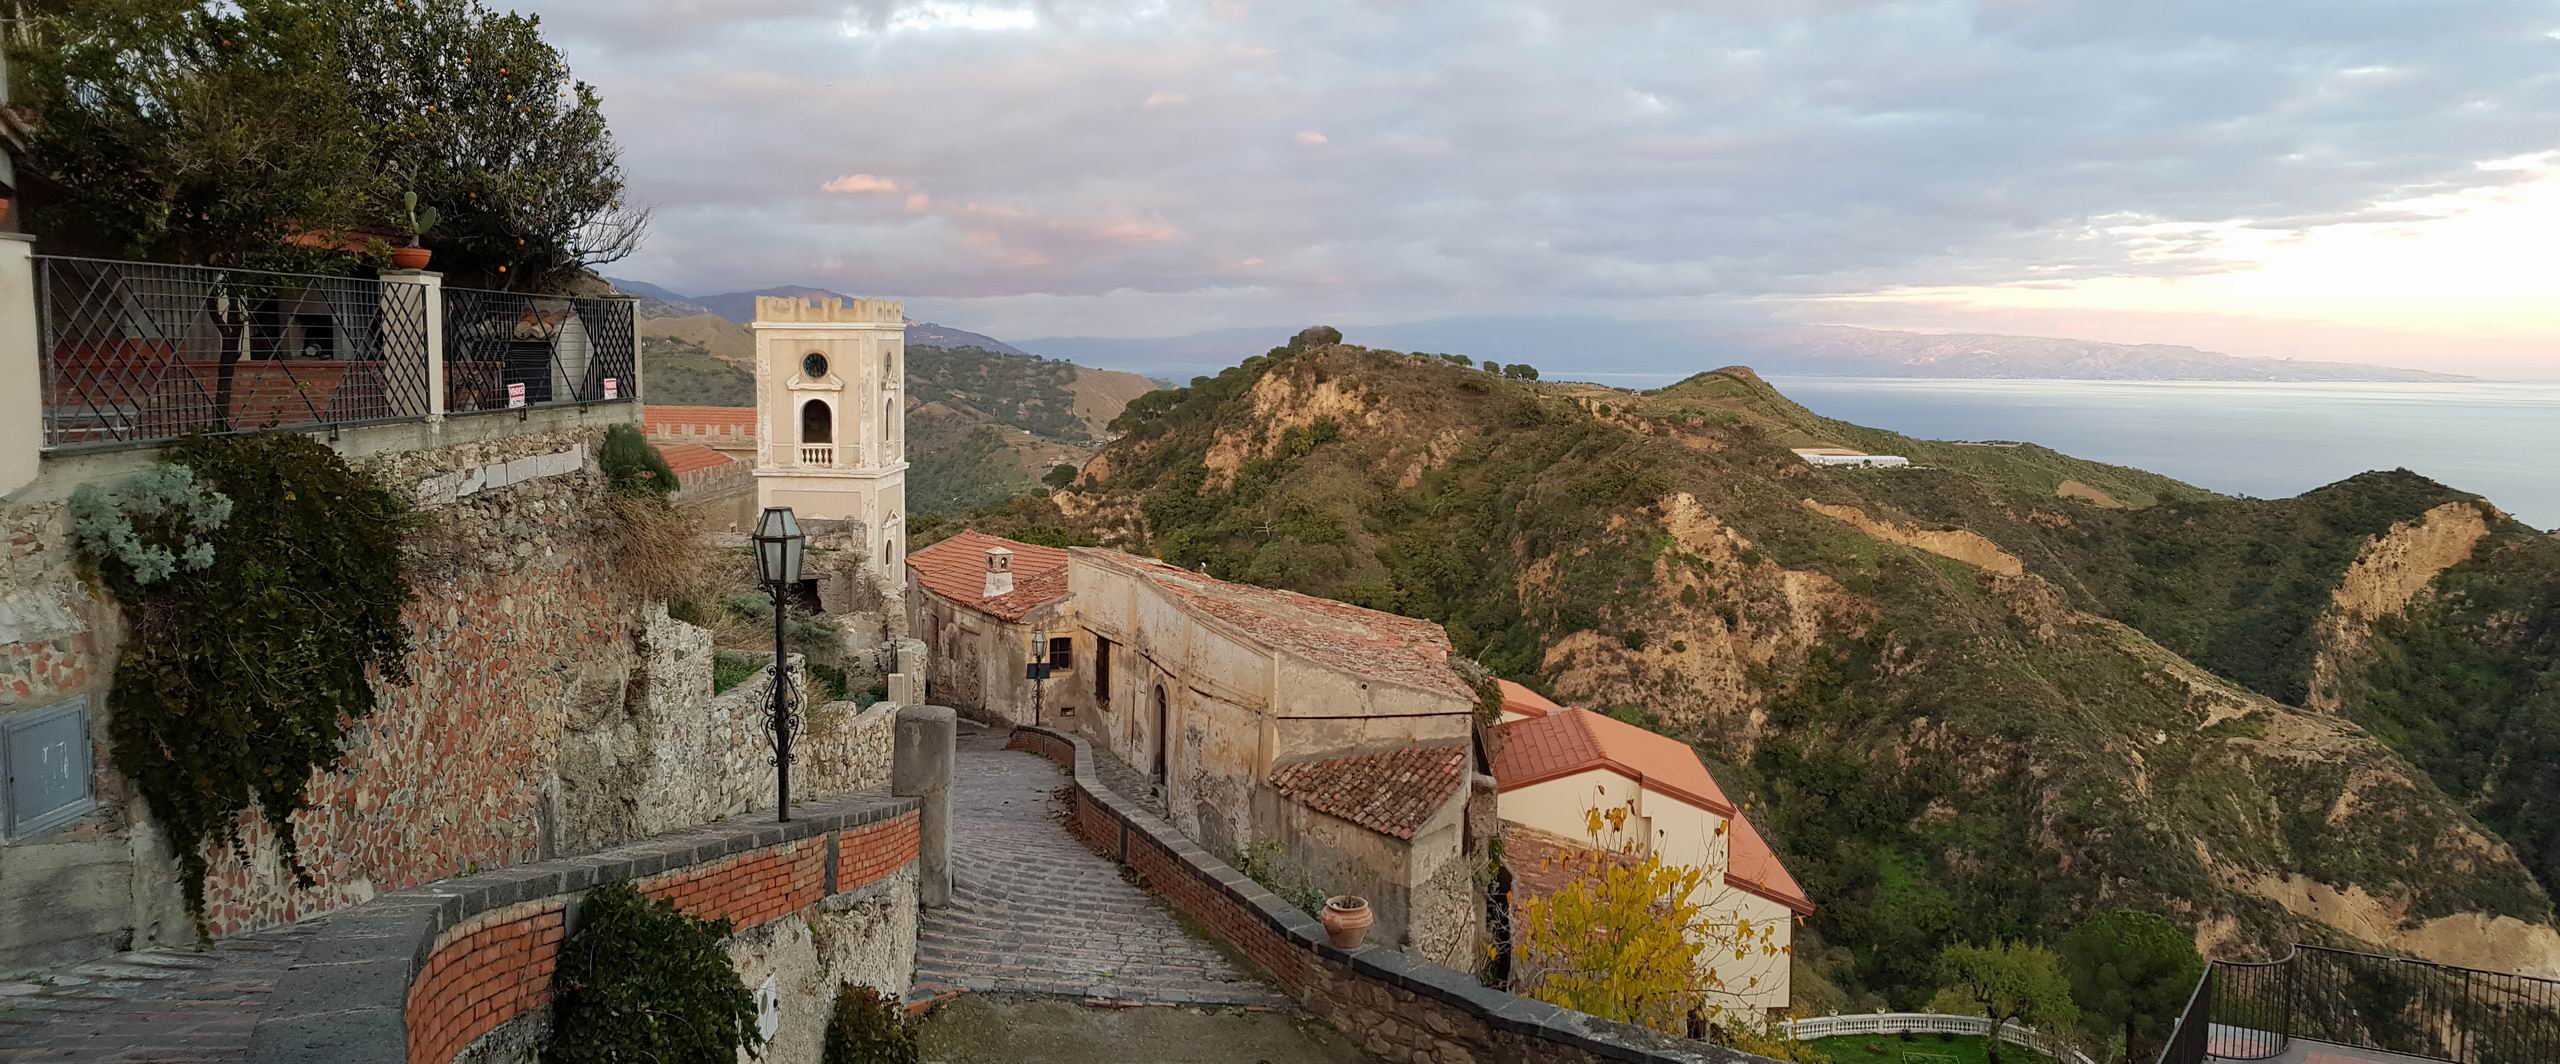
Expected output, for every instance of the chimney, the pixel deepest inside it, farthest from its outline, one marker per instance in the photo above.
(999, 573)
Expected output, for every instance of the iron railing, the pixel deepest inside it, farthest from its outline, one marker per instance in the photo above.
(508, 350)
(136, 352)
(2254, 1011)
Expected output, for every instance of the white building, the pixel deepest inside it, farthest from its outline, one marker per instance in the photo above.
(1851, 458)
(830, 419)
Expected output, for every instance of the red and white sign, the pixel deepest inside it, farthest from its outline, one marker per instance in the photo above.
(515, 395)
(612, 388)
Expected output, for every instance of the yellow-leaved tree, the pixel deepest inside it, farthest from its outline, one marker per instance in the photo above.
(1628, 936)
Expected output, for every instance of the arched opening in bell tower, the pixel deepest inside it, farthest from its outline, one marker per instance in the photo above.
(817, 422)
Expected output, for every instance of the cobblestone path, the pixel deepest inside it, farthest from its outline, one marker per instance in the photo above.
(164, 1005)
(1034, 911)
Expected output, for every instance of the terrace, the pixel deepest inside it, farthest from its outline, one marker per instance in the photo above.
(2317, 1005)
(135, 353)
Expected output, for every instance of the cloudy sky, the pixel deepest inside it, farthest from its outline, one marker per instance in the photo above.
(2317, 178)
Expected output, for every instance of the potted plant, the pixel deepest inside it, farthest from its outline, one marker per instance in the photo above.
(414, 257)
(1346, 920)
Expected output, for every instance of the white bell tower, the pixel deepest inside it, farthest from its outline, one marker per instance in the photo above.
(831, 426)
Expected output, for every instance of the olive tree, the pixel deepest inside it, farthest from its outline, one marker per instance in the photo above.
(2131, 971)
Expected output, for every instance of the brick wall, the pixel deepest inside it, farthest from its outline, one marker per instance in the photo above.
(1395, 1007)
(495, 966)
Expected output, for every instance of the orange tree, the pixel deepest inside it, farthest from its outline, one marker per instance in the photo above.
(1633, 938)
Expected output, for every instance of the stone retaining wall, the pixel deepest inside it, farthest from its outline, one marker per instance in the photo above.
(1400, 1009)
(461, 969)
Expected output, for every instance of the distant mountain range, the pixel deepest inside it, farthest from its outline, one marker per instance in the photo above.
(740, 307)
(1612, 349)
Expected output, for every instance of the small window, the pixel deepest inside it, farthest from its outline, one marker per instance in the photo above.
(1062, 654)
(814, 366)
(47, 754)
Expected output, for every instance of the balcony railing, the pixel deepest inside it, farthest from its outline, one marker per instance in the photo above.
(133, 352)
(136, 353)
(512, 350)
(817, 454)
(2396, 1005)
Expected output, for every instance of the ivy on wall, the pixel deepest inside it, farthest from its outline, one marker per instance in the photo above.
(639, 980)
(262, 582)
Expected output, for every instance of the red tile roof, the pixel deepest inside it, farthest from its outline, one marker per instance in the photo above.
(956, 569)
(1569, 740)
(1391, 793)
(1364, 642)
(1521, 700)
(1542, 863)
(1753, 866)
(692, 458)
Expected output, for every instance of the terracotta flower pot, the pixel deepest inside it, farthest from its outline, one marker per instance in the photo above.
(1346, 920)
(412, 257)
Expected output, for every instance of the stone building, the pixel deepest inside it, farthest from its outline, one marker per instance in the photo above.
(1337, 738)
(976, 600)
(1556, 768)
(831, 428)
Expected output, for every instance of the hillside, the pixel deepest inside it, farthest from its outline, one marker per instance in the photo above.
(1958, 691)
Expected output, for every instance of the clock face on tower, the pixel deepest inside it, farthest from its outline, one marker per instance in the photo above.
(814, 367)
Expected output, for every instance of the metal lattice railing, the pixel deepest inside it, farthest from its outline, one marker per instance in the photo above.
(508, 350)
(2398, 1005)
(134, 352)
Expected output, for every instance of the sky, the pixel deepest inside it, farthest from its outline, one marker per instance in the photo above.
(2373, 181)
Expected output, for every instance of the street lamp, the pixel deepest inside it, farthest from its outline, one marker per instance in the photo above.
(1039, 668)
(779, 549)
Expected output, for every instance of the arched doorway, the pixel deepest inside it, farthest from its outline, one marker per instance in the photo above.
(1164, 733)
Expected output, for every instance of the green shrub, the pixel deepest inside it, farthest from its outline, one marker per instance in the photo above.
(640, 980)
(730, 668)
(633, 467)
(151, 524)
(262, 582)
(869, 1027)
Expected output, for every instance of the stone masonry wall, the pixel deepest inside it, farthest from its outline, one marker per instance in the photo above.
(548, 711)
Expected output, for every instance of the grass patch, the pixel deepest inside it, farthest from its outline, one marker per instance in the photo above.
(730, 668)
(1921, 1049)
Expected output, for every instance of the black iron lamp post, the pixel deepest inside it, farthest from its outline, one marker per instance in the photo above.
(779, 549)
(1039, 669)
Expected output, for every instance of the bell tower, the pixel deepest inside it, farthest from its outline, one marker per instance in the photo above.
(831, 418)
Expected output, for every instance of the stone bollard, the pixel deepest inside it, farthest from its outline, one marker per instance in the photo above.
(921, 769)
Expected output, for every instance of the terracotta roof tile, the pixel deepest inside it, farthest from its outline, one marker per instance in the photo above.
(1571, 740)
(1521, 700)
(1753, 866)
(956, 569)
(1542, 863)
(691, 458)
(1391, 793)
(1338, 635)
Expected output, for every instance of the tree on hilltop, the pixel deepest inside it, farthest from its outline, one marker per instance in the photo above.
(1315, 336)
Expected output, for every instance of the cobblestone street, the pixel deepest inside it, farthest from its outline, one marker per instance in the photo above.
(161, 1005)
(1034, 911)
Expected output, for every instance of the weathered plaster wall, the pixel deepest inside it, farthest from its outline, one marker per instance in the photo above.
(976, 661)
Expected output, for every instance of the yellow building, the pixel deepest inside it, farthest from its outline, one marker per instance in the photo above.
(1555, 766)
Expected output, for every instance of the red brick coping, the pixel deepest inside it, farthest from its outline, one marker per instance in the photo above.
(1398, 1008)
(417, 976)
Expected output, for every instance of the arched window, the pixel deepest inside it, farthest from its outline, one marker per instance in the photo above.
(817, 422)
(889, 419)
(888, 366)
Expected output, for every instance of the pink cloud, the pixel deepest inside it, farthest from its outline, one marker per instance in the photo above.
(855, 184)
(1165, 99)
(1140, 231)
(1312, 138)
(917, 202)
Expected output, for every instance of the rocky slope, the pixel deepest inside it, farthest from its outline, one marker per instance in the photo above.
(1975, 698)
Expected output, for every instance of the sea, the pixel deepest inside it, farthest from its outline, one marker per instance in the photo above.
(2498, 440)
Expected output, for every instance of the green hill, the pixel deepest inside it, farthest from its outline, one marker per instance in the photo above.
(1982, 696)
